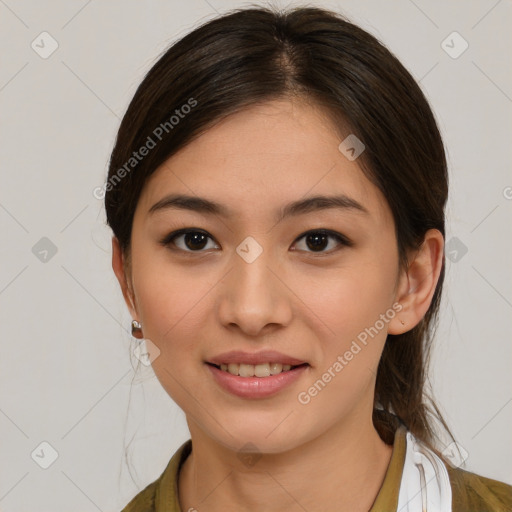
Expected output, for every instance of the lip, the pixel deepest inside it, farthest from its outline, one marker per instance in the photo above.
(256, 387)
(265, 356)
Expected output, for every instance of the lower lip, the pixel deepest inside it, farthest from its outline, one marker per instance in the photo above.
(255, 387)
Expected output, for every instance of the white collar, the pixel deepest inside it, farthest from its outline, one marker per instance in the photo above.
(425, 484)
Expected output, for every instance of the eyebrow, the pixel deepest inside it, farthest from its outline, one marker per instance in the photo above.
(299, 207)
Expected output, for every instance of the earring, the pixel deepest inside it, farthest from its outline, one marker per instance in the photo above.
(137, 330)
(402, 322)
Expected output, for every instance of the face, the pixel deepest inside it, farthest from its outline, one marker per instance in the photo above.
(317, 284)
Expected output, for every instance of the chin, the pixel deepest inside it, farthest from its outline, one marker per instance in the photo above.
(263, 439)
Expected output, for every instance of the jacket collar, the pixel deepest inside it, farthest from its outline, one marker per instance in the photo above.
(166, 496)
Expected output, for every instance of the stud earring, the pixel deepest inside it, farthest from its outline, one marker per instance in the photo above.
(137, 330)
(402, 322)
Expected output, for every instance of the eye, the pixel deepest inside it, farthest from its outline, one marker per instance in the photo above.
(193, 240)
(319, 239)
(188, 240)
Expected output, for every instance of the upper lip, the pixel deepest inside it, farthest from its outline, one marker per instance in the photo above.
(265, 356)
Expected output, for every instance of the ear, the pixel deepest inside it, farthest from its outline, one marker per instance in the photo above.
(418, 282)
(122, 273)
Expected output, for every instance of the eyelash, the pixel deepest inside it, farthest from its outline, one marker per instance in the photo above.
(341, 239)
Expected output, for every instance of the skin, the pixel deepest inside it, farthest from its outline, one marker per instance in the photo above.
(307, 303)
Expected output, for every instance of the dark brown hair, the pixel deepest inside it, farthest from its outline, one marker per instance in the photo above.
(254, 55)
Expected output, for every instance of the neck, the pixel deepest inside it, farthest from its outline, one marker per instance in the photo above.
(341, 471)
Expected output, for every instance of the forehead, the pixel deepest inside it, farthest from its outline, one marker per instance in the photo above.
(262, 157)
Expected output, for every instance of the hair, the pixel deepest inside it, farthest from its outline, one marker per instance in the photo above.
(254, 55)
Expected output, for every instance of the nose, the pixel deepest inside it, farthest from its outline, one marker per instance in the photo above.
(254, 297)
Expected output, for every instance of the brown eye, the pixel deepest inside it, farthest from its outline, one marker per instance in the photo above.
(187, 240)
(317, 241)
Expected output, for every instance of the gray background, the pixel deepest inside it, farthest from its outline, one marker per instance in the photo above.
(65, 370)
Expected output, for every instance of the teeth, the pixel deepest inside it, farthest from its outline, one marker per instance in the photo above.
(275, 368)
(258, 370)
(246, 370)
(262, 370)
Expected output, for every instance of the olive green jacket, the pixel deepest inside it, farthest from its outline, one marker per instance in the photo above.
(470, 492)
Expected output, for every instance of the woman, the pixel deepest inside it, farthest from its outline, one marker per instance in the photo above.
(276, 194)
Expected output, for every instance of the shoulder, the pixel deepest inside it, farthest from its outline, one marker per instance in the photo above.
(144, 501)
(162, 494)
(475, 492)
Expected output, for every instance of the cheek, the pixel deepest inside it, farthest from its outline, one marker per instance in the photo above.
(347, 299)
(173, 305)
(345, 317)
(172, 301)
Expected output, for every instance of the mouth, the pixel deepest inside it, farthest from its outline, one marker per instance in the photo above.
(256, 381)
(261, 370)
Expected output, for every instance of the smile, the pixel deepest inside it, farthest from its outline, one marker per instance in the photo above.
(256, 370)
(246, 383)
